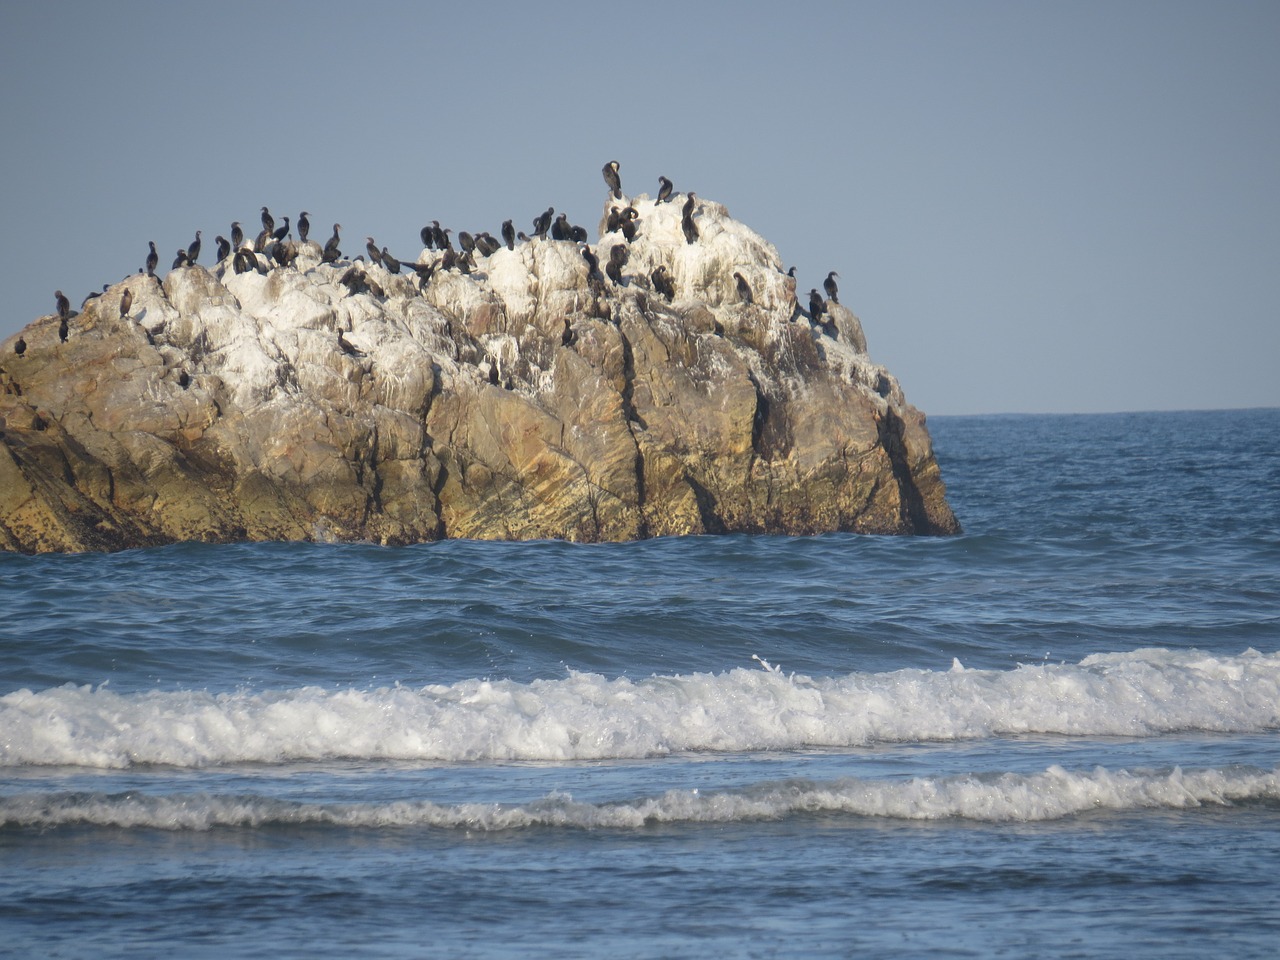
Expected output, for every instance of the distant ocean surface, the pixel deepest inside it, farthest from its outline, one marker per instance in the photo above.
(1056, 735)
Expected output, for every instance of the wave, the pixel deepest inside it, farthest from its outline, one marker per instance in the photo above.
(1054, 794)
(589, 717)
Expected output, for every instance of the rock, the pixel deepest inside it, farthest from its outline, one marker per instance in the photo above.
(524, 400)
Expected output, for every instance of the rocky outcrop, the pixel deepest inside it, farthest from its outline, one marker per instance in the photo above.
(527, 399)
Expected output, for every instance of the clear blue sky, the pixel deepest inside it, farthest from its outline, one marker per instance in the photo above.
(1034, 207)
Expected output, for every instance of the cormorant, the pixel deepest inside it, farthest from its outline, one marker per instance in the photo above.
(441, 236)
(427, 235)
(268, 221)
(63, 329)
(64, 305)
(331, 252)
(281, 232)
(577, 234)
(487, 245)
(153, 259)
(612, 180)
(829, 285)
(390, 262)
(686, 221)
(662, 283)
(224, 247)
(628, 223)
(237, 235)
(126, 302)
(180, 260)
(375, 255)
(304, 226)
(347, 347)
(560, 229)
(193, 251)
(792, 273)
(593, 262)
(664, 191)
(19, 346)
(466, 241)
(542, 223)
(260, 241)
(613, 270)
(508, 234)
(744, 288)
(816, 307)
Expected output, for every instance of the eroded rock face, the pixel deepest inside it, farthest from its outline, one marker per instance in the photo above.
(527, 399)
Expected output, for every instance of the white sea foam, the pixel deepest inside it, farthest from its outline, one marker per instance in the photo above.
(586, 716)
(1052, 795)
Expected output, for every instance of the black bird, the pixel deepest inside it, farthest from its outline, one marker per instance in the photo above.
(126, 302)
(792, 273)
(441, 236)
(816, 307)
(593, 263)
(628, 224)
(560, 229)
(240, 264)
(466, 241)
(19, 346)
(577, 234)
(268, 221)
(375, 255)
(260, 241)
(612, 180)
(63, 329)
(281, 232)
(664, 191)
(487, 245)
(619, 254)
(428, 236)
(662, 283)
(829, 285)
(331, 252)
(686, 220)
(224, 247)
(180, 260)
(237, 235)
(193, 251)
(744, 289)
(613, 270)
(304, 226)
(542, 224)
(613, 220)
(64, 305)
(508, 234)
(390, 262)
(347, 347)
(153, 259)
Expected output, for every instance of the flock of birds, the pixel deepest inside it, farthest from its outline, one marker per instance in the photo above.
(276, 245)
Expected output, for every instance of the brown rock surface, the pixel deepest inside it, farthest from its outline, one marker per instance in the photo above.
(525, 400)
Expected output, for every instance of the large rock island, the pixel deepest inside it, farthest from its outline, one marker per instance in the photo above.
(527, 396)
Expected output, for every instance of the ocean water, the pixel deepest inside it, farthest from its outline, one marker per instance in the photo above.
(1056, 735)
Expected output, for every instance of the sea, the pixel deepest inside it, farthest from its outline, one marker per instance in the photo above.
(1054, 735)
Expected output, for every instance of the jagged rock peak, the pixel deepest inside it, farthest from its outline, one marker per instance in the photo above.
(547, 391)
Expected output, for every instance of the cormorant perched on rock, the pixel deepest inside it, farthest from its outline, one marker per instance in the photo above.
(487, 245)
(260, 241)
(664, 191)
(180, 260)
(619, 254)
(577, 234)
(153, 259)
(237, 235)
(613, 270)
(375, 255)
(63, 304)
(331, 252)
(542, 223)
(744, 289)
(612, 180)
(281, 232)
(390, 262)
(792, 273)
(627, 224)
(466, 241)
(304, 226)
(64, 329)
(347, 347)
(19, 346)
(593, 263)
(829, 285)
(423, 270)
(268, 221)
(508, 234)
(126, 302)
(560, 229)
(816, 307)
(449, 260)
(662, 283)
(441, 236)
(224, 247)
(686, 220)
(184, 379)
(240, 264)
(567, 336)
(193, 251)
(612, 220)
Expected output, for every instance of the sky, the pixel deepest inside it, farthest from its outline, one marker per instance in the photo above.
(1033, 207)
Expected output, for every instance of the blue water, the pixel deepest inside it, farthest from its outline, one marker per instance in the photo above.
(1055, 735)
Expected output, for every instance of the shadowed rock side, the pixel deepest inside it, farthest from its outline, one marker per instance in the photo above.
(530, 398)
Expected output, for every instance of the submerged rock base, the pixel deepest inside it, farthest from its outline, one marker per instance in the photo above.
(530, 398)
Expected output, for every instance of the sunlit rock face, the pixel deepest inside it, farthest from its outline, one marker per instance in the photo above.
(529, 398)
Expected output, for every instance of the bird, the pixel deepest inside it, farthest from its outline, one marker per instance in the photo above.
(331, 252)
(19, 346)
(816, 307)
(613, 270)
(662, 283)
(268, 221)
(686, 220)
(593, 262)
(126, 302)
(390, 262)
(237, 235)
(508, 234)
(542, 223)
(64, 305)
(487, 245)
(612, 180)
(153, 259)
(427, 235)
(281, 232)
(193, 251)
(560, 229)
(744, 289)
(664, 191)
(792, 273)
(347, 347)
(375, 255)
(63, 329)
(180, 260)
(304, 226)
(224, 247)
(466, 241)
(829, 285)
